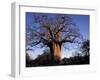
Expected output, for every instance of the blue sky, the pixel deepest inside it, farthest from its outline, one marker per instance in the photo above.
(82, 22)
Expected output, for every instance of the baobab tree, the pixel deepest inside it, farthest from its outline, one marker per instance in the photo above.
(53, 31)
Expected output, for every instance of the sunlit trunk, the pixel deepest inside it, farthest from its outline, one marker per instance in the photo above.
(55, 47)
(57, 51)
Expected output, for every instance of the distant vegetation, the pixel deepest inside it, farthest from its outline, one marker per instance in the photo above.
(45, 60)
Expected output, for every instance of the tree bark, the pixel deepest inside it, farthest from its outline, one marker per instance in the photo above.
(55, 49)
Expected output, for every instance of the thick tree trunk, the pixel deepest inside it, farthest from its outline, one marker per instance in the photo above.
(55, 49)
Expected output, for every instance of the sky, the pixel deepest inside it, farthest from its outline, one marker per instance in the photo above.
(82, 22)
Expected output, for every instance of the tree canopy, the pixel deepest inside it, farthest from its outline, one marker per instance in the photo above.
(56, 28)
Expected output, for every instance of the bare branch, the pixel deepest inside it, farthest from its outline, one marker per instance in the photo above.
(45, 29)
